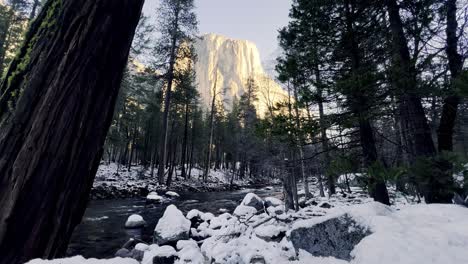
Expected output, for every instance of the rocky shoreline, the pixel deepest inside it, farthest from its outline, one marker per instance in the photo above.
(138, 183)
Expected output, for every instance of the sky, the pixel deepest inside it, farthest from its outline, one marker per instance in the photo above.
(254, 20)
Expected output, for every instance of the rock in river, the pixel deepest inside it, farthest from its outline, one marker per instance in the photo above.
(135, 221)
(172, 227)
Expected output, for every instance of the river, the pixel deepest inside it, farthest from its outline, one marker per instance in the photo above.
(102, 231)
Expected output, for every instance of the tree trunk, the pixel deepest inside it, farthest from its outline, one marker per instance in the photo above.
(167, 103)
(413, 118)
(210, 143)
(68, 74)
(455, 61)
(300, 145)
(184, 141)
(437, 188)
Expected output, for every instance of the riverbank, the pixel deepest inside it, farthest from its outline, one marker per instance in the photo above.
(116, 182)
(344, 228)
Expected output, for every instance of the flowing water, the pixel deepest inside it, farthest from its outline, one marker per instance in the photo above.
(102, 231)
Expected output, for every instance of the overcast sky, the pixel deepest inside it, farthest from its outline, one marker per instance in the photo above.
(254, 20)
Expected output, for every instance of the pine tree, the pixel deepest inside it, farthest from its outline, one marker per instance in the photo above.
(177, 23)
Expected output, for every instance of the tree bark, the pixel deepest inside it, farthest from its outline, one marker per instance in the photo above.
(300, 145)
(167, 102)
(413, 118)
(210, 143)
(184, 141)
(66, 77)
(455, 61)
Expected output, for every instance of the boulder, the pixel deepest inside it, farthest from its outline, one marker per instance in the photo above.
(272, 201)
(172, 194)
(172, 227)
(277, 210)
(135, 221)
(253, 200)
(270, 232)
(153, 197)
(142, 247)
(334, 237)
(137, 254)
(189, 252)
(195, 217)
(245, 211)
(123, 253)
(165, 255)
(325, 205)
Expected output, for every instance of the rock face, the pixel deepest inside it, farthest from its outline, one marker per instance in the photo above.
(172, 227)
(335, 237)
(233, 62)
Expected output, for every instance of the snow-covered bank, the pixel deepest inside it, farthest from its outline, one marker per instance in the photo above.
(347, 228)
(113, 181)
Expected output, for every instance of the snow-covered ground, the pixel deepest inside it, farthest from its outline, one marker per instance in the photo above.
(138, 182)
(346, 228)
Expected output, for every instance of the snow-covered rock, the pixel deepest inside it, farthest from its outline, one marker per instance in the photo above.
(82, 260)
(159, 255)
(269, 232)
(172, 194)
(244, 211)
(207, 216)
(153, 197)
(189, 252)
(172, 226)
(141, 247)
(329, 237)
(272, 201)
(276, 210)
(135, 221)
(251, 199)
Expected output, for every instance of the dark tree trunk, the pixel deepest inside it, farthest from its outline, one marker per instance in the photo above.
(436, 188)
(413, 118)
(210, 142)
(68, 74)
(455, 60)
(184, 141)
(167, 104)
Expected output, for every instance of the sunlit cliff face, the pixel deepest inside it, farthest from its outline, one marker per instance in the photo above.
(232, 62)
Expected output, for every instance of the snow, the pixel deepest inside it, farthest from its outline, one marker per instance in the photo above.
(135, 221)
(269, 231)
(414, 234)
(245, 211)
(141, 247)
(153, 196)
(194, 213)
(82, 260)
(272, 201)
(189, 252)
(172, 194)
(251, 199)
(172, 224)
(156, 251)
